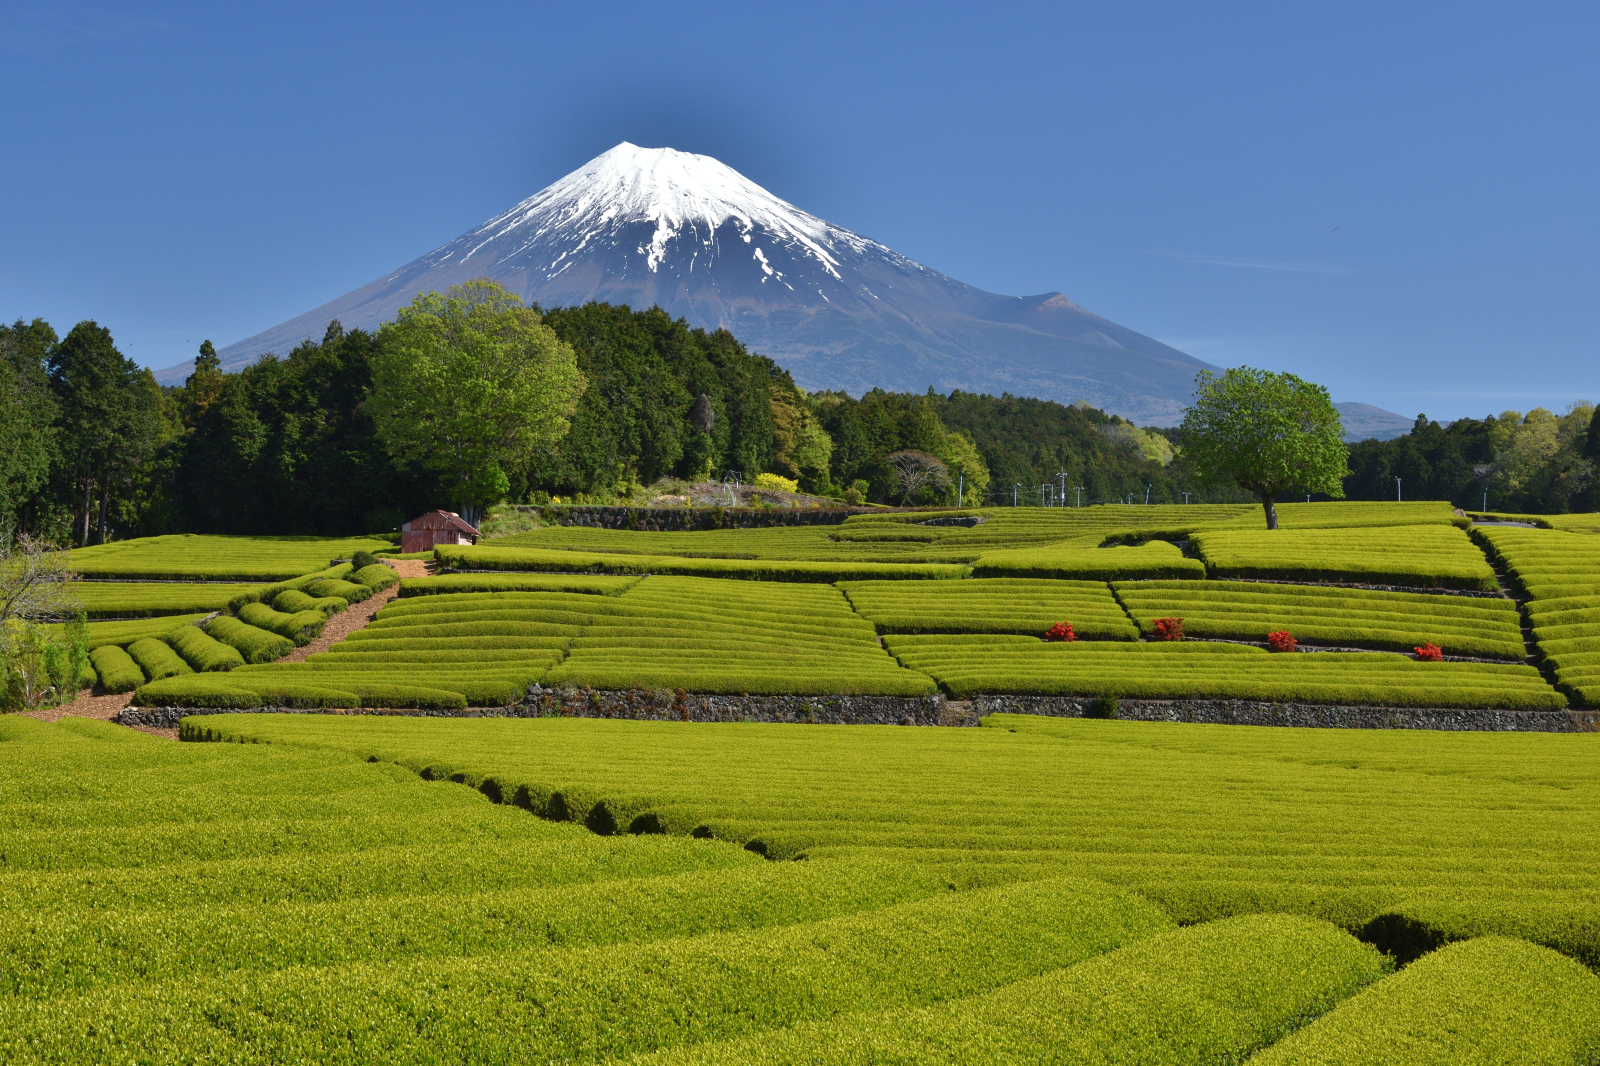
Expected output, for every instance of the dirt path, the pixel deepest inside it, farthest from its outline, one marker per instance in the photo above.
(341, 625)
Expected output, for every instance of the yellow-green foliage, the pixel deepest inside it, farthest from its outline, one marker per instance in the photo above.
(1418, 556)
(1210, 993)
(1483, 1001)
(991, 605)
(1561, 572)
(116, 669)
(1386, 621)
(206, 557)
(1086, 560)
(497, 558)
(143, 599)
(972, 665)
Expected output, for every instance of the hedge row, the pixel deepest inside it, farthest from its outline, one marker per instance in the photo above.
(294, 601)
(991, 605)
(136, 599)
(301, 628)
(1425, 556)
(444, 584)
(968, 666)
(1388, 621)
(216, 558)
(255, 645)
(157, 659)
(1077, 560)
(116, 669)
(480, 558)
(349, 591)
(270, 593)
(203, 652)
(376, 577)
(264, 691)
(1561, 571)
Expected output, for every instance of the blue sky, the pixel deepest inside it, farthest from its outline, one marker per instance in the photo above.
(1397, 201)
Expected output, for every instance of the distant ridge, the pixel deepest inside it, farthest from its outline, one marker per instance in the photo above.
(1362, 421)
(645, 226)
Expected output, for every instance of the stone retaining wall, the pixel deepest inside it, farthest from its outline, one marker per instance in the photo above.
(1319, 716)
(639, 705)
(635, 705)
(692, 519)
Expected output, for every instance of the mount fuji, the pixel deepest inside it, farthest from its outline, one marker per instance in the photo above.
(645, 226)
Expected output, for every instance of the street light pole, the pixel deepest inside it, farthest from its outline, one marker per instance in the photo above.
(1396, 490)
(1014, 489)
(1077, 495)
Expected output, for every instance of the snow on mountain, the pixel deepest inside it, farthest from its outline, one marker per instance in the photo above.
(655, 226)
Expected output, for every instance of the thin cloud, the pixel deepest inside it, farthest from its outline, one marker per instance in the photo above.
(1291, 266)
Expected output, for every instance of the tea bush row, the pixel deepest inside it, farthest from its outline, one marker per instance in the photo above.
(991, 605)
(117, 672)
(1086, 561)
(148, 599)
(514, 559)
(255, 645)
(448, 584)
(1209, 993)
(1425, 556)
(1386, 621)
(217, 558)
(967, 666)
(1560, 571)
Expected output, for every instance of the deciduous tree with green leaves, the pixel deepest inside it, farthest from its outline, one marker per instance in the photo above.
(1265, 432)
(471, 384)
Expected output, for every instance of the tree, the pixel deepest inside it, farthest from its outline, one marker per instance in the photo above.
(27, 416)
(917, 470)
(472, 383)
(959, 454)
(1265, 432)
(35, 589)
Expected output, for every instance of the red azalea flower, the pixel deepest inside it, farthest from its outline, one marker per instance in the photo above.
(1429, 653)
(1169, 628)
(1061, 631)
(1281, 640)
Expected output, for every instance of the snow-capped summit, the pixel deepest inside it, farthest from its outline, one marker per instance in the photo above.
(686, 232)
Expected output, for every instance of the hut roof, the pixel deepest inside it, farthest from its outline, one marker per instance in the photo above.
(440, 520)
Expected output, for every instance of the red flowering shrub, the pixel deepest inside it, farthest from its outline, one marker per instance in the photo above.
(1429, 653)
(1281, 640)
(1169, 628)
(1061, 631)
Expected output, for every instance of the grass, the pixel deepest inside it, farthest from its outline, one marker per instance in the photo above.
(1422, 556)
(1385, 621)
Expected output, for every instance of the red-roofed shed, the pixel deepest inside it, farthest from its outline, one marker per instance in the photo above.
(436, 528)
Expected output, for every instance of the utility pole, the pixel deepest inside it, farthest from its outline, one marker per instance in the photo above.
(1186, 497)
(1396, 490)
(1485, 501)
(1147, 495)
(1063, 476)
(1014, 489)
(961, 488)
(1078, 489)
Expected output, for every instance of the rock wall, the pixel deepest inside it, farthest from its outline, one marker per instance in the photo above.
(691, 519)
(1313, 715)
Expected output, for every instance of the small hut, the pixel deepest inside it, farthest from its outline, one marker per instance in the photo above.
(433, 529)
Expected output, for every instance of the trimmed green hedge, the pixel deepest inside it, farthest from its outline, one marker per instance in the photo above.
(1430, 556)
(149, 599)
(480, 558)
(345, 590)
(201, 651)
(1480, 1001)
(300, 628)
(1075, 560)
(255, 645)
(269, 593)
(157, 659)
(377, 576)
(966, 666)
(991, 605)
(294, 601)
(116, 669)
(586, 584)
(256, 690)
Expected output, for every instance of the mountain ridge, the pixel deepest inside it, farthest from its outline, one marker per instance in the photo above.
(644, 227)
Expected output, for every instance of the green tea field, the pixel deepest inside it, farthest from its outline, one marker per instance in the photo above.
(438, 850)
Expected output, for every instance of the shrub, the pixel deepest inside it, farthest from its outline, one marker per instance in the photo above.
(853, 497)
(254, 644)
(118, 672)
(201, 651)
(776, 481)
(1102, 707)
(301, 628)
(376, 576)
(1429, 653)
(361, 560)
(346, 590)
(293, 601)
(1281, 640)
(1169, 628)
(1061, 631)
(157, 659)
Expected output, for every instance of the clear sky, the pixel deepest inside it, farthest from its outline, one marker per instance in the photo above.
(1397, 201)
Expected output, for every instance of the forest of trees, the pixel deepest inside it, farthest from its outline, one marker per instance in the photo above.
(95, 449)
(1534, 463)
